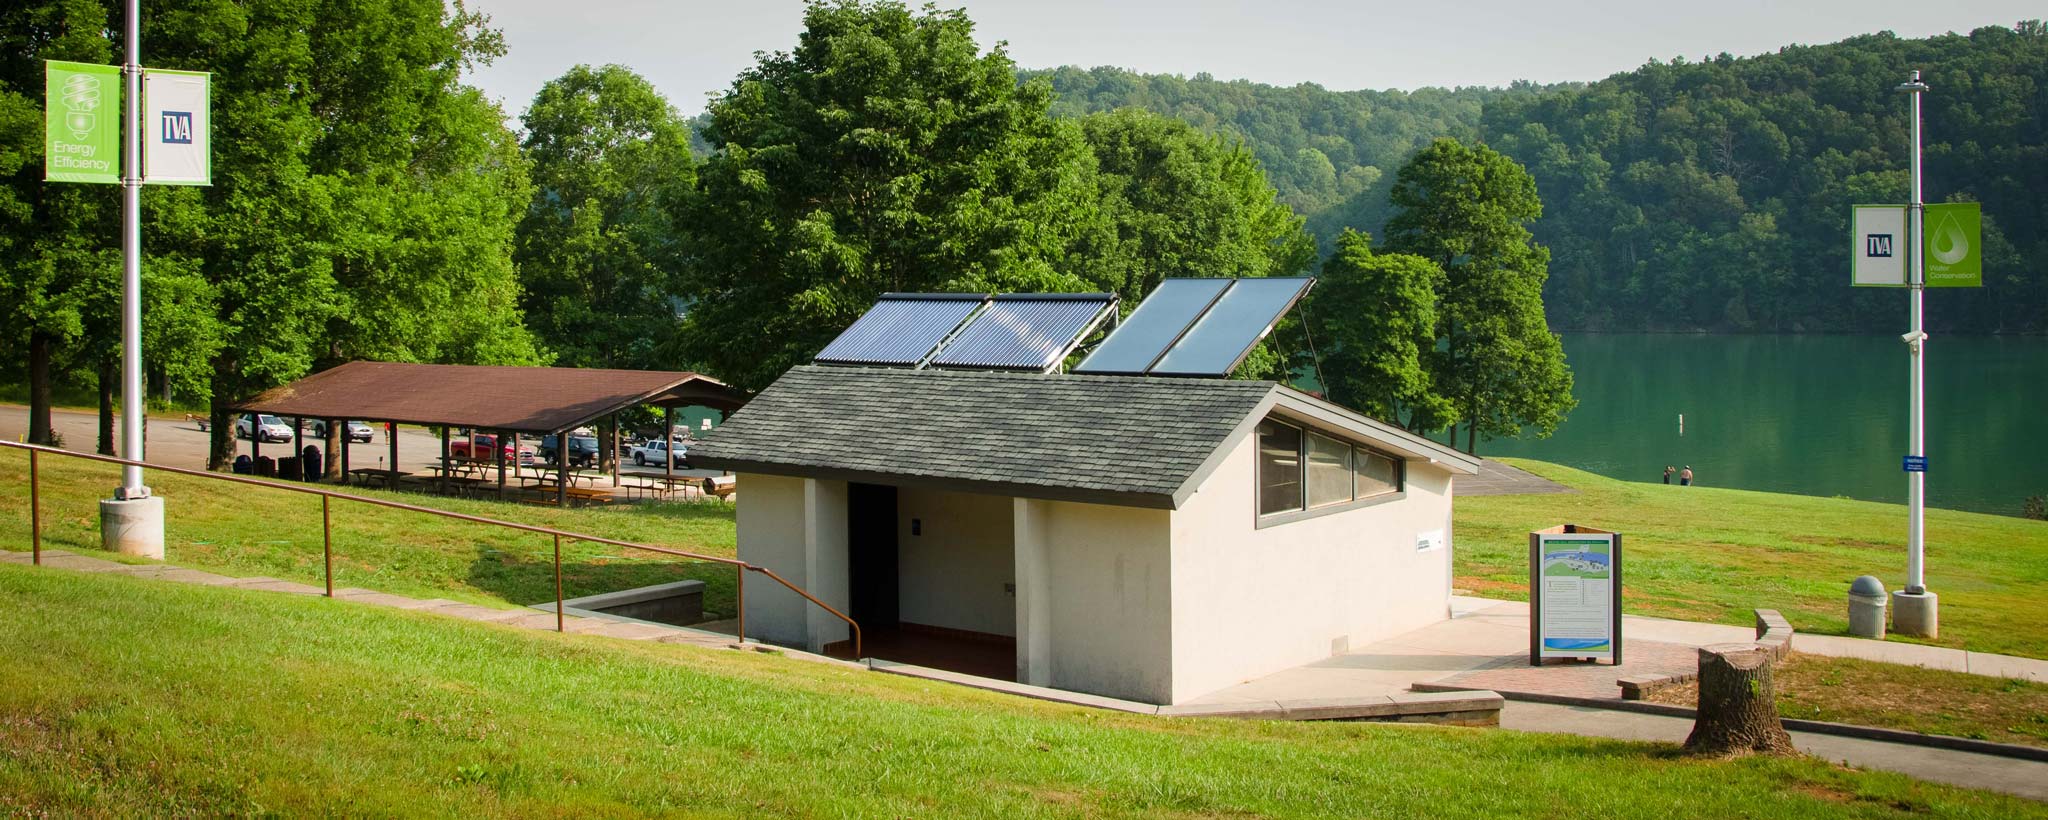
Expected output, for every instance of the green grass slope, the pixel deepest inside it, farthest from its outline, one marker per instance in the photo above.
(1710, 554)
(240, 530)
(125, 697)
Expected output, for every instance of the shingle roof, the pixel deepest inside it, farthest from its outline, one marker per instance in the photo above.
(1126, 439)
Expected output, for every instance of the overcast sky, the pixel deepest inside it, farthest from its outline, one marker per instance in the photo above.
(689, 49)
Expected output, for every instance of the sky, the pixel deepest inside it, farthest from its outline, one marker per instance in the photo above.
(690, 49)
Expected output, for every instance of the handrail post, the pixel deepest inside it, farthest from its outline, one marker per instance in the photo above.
(35, 510)
(739, 597)
(327, 545)
(558, 575)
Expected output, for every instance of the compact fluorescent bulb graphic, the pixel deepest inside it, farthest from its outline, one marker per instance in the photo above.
(82, 98)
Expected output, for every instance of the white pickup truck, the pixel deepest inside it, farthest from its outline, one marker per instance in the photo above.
(652, 452)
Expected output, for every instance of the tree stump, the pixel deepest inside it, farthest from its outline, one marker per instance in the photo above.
(1738, 707)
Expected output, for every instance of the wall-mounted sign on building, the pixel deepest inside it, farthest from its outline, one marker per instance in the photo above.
(82, 107)
(1574, 594)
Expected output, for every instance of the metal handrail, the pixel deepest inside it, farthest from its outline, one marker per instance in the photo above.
(741, 568)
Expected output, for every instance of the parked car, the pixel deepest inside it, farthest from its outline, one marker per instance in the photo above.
(266, 427)
(582, 450)
(356, 430)
(652, 452)
(480, 447)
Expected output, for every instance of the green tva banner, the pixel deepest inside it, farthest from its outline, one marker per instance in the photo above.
(1953, 248)
(82, 103)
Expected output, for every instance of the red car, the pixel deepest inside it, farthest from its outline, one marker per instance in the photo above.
(478, 448)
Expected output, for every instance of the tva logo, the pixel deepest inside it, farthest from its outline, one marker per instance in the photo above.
(178, 127)
(1877, 244)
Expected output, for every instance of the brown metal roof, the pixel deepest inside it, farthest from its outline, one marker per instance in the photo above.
(518, 399)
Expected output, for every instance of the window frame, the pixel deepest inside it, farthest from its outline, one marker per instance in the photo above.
(1262, 520)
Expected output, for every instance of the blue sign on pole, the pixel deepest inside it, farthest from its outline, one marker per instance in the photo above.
(1915, 464)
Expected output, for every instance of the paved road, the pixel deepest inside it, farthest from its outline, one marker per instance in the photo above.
(1495, 478)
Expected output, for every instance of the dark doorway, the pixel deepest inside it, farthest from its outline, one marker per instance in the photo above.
(871, 554)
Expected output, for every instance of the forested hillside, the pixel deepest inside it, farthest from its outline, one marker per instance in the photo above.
(1688, 195)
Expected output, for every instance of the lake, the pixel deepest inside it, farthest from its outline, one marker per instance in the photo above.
(1814, 415)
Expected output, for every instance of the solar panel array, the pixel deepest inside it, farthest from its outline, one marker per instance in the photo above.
(1196, 327)
(1025, 331)
(1030, 332)
(902, 329)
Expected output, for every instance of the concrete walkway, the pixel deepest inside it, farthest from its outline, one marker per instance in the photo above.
(1495, 478)
(525, 618)
(2026, 778)
(1484, 635)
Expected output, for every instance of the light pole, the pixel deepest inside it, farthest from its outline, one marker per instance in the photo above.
(132, 522)
(1914, 609)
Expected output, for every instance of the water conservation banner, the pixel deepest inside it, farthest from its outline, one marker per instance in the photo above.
(82, 105)
(1574, 594)
(175, 124)
(1954, 245)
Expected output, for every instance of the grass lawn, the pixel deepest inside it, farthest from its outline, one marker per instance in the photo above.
(1709, 554)
(238, 530)
(127, 697)
(1929, 701)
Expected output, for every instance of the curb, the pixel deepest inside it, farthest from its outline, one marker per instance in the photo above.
(1899, 736)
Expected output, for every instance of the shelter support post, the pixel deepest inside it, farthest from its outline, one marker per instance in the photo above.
(344, 455)
(668, 437)
(497, 452)
(391, 432)
(299, 444)
(255, 440)
(615, 450)
(1034, 593)
(561, 469)
(445, 462)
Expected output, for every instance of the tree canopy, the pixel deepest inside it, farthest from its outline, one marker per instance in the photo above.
(1375, 315)
(1465, 209)
(887, 152)
(597, 250)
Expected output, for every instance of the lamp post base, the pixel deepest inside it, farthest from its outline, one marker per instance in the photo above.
(1918, 615)
(133, 526)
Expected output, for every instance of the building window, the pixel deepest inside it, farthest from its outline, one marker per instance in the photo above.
(1376, 474)
(1301, 470)
(1329, 470)
(1279, 467)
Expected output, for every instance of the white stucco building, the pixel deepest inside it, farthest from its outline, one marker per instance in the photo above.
(1146, 538)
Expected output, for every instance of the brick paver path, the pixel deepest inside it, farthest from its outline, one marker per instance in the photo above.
(525, 618)
(1512, 675)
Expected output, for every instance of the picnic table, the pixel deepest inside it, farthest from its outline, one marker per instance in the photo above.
(389, 478)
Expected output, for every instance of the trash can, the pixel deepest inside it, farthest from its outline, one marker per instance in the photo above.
(311, 459)
(1866, 607)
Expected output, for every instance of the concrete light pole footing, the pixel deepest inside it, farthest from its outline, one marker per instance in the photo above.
(133, 527)
(1916, 614)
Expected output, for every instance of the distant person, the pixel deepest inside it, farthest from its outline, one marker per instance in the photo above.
(1685, 477)
(1667, 473)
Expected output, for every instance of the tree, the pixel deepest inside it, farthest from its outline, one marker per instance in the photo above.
(363, 199)
(887, 152)
(1465, 208)
(597, 253)
(1186, 204)
(1375, 315)
(54, 237)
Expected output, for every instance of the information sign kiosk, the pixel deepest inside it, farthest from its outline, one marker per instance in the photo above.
(1574, 594)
